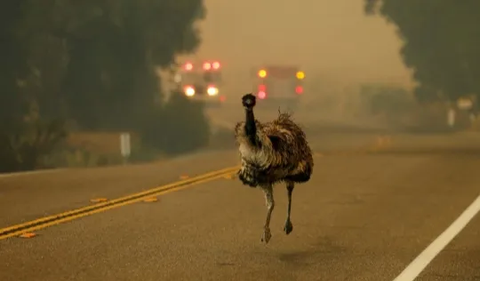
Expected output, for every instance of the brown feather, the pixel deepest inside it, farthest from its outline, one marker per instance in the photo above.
(283, 154)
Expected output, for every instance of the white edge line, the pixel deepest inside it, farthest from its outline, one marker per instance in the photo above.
(414, 269)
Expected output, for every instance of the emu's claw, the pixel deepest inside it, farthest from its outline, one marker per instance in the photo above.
(288, 227)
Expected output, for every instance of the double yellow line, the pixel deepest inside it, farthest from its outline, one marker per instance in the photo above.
(44, 222)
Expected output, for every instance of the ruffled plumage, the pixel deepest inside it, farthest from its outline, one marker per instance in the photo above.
(281, 153)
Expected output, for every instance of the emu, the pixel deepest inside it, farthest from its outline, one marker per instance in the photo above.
(271, 153)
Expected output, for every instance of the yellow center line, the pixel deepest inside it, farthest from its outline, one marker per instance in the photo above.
(95, 211)
(100, 207)
(44, 222)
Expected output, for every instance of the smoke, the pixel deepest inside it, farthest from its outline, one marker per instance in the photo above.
(337, 45)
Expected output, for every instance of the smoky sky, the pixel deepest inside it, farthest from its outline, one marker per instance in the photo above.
(327, 38)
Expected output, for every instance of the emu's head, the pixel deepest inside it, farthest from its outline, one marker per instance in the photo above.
(249, 101)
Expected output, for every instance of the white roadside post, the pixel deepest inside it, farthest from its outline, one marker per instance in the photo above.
(451, 117)
(125, 146)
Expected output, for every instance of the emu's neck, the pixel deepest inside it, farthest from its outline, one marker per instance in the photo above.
(250, 127)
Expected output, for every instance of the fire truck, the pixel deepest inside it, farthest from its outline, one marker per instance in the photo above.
(201, 81)
(278, 85)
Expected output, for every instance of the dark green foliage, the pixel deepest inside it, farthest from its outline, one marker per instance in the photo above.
(441, 44)
(23, 148)
(92, 63)
(187, 129)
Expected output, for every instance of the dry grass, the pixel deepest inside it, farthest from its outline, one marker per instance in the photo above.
(98, 142)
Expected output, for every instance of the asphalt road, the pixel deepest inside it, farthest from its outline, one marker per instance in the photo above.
(373, 205)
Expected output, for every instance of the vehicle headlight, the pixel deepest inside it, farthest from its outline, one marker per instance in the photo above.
(189, 91)
(212, 91)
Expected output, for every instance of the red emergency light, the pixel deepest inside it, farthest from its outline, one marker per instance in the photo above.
(299, 90)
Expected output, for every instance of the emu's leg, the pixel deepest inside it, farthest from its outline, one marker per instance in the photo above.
(288, 223)
(270, 202)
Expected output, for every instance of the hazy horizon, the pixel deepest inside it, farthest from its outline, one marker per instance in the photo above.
(333, 39)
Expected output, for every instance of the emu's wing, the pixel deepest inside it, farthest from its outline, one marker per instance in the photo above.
(282, 149)
(279, 139)
(276, 141)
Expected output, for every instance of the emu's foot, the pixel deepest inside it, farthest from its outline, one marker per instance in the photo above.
(266, 235)
(288, 227)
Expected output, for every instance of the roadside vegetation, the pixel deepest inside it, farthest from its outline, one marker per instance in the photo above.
(75, 74)
(442, 48)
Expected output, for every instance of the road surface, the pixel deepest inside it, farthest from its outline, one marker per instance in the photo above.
(373, 205)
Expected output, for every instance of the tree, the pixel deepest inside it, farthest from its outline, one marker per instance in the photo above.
(89, 61)
(441, 44)
(114, 47)
(24, 136)
(187, 130)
